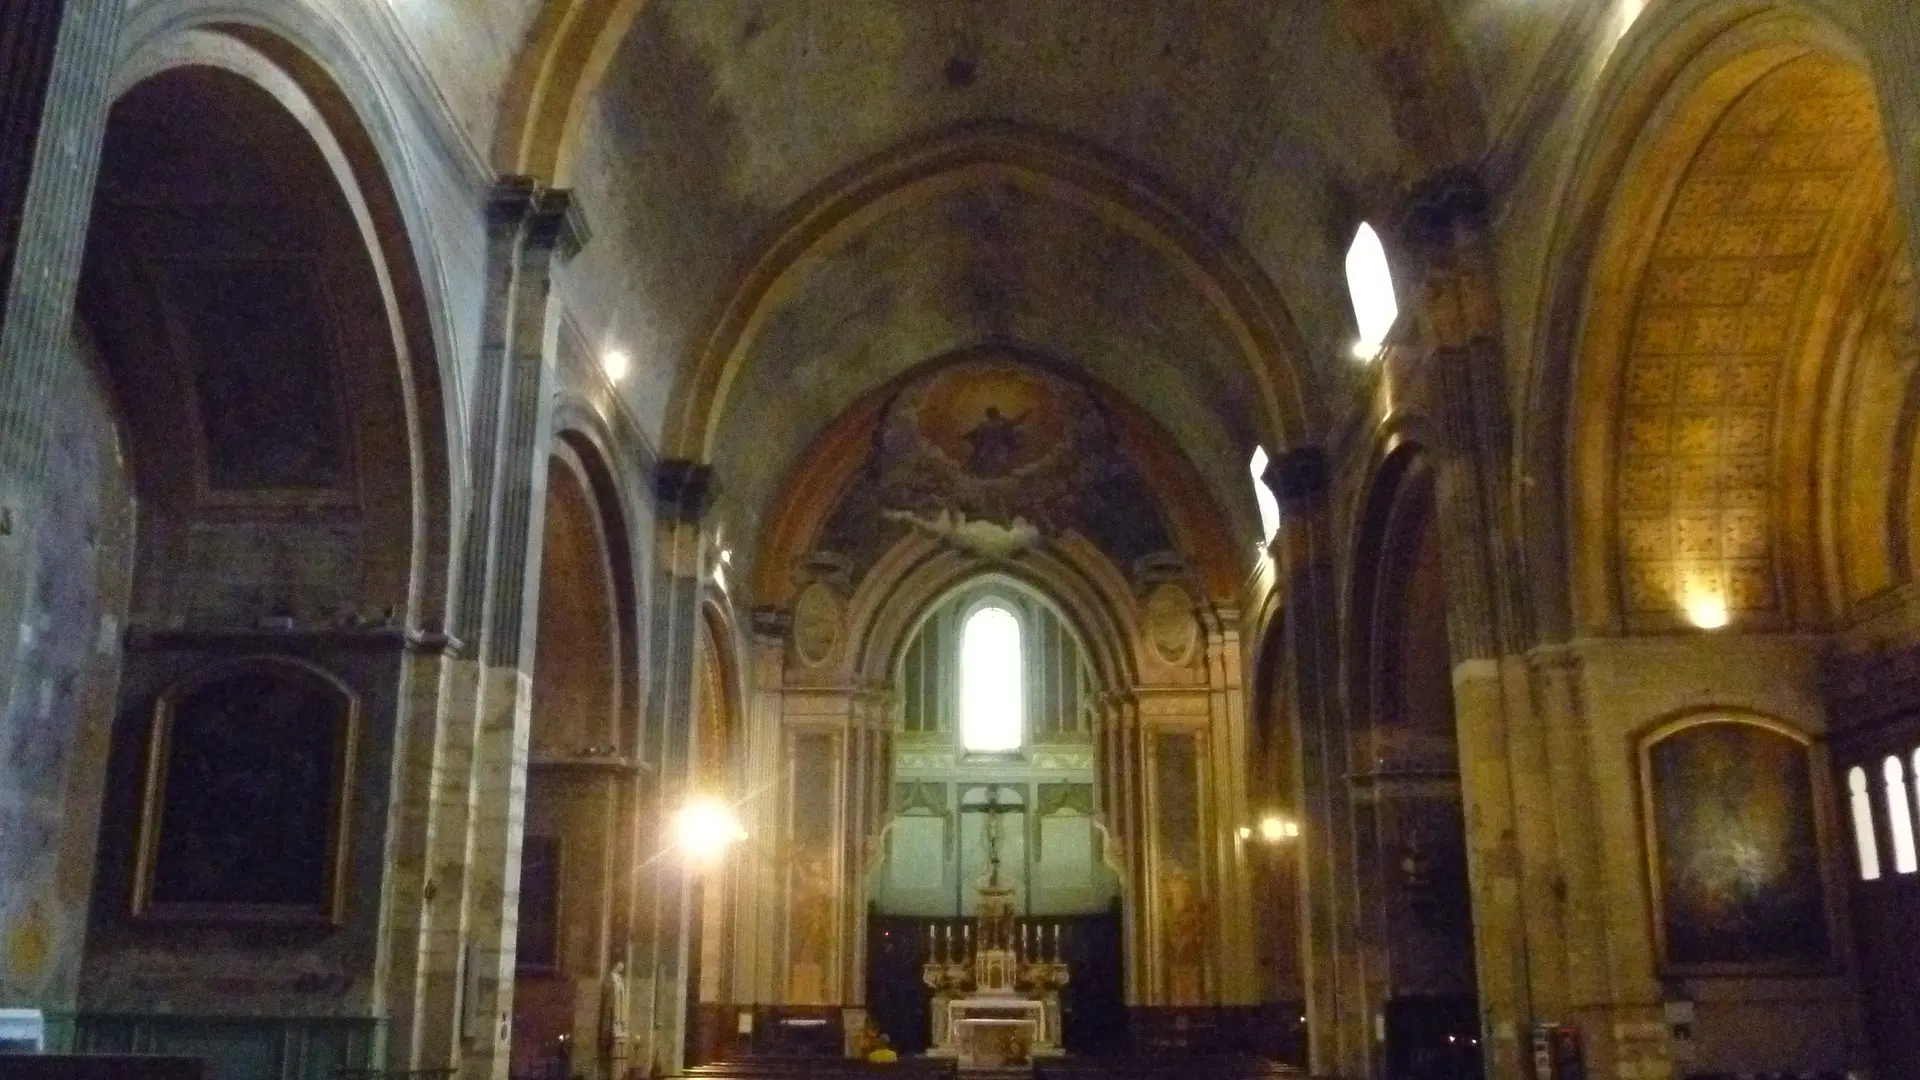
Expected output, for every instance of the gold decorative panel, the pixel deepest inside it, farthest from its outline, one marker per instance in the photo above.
(1715, 325)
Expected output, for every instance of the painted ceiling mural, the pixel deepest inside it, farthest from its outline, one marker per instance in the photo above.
(995, 454)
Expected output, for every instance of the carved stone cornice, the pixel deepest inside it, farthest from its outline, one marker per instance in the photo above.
(1299, 477)
(1434, 209)
(684, 490)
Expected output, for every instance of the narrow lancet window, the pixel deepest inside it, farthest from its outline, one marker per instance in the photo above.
(992, 699)
(1370, 283)
(1263, 496)
(1863, 835)
(1900, 817)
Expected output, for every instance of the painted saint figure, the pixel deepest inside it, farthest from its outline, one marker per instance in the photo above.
(995, 444)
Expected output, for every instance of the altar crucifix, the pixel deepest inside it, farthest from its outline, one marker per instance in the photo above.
(991, 830)
(997, 1003)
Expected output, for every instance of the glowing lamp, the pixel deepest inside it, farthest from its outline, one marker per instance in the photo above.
(706, 828)
(1274, 828)
(1705, 605)
(615, 363)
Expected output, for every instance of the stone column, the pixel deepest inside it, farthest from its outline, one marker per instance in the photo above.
(457, 842)
(1509, 825)
(684, 492)
(1339, 1028)
(513, 505)
(1531, 819)
(56, 67)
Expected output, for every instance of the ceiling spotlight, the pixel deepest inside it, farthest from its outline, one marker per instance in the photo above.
(616, 364)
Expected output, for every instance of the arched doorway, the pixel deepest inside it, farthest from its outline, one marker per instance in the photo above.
(1415, 917)
(576, 869)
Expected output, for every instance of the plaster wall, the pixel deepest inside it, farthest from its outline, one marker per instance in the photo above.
(1630, 686)
(54, 729)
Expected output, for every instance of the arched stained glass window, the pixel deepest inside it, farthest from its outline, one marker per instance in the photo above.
(992, 698)
(1863, 835)
(1900, 817)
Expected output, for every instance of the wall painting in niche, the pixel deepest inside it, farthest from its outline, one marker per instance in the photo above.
(813, 885)
(1733, 846)
(1179, 868)
(248, 789)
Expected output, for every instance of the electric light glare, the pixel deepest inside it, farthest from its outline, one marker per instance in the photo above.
(1706, 608)
(706, 828)
(616, 364)
(1274, 828)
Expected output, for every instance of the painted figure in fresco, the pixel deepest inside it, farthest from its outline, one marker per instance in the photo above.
(995, 444)
(1185, 928)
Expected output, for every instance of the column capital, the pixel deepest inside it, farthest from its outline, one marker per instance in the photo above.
(772, 624)
(1298, 477)
(552, 216)
(684, 490)
(1432, 210)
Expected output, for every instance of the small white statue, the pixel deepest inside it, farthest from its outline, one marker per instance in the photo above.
(614, 1013)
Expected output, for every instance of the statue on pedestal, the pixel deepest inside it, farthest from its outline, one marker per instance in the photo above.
(615, 1011)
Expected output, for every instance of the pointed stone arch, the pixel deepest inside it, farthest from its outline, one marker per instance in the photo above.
(1676, 347)
(1044, 164)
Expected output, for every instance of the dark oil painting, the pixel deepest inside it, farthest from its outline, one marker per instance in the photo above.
(1735, 849)
(249, 776)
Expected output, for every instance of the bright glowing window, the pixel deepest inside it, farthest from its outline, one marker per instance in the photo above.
(1263, 495)
(991, 692)
(1863, 837)
(1370, 283)
(1900, 817)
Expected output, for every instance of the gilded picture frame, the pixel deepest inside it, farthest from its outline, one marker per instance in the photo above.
(248, 792)
(1737, 843)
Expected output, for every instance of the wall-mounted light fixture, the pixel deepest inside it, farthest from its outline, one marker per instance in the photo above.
(1274, 829)
(706, 828)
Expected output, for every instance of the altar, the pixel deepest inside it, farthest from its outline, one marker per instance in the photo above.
(996, 991)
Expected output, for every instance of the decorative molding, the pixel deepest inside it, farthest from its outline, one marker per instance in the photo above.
(1298, 476)
(684, 490)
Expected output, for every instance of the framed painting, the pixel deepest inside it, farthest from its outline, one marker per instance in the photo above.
(248, 792)
(1735, 848)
